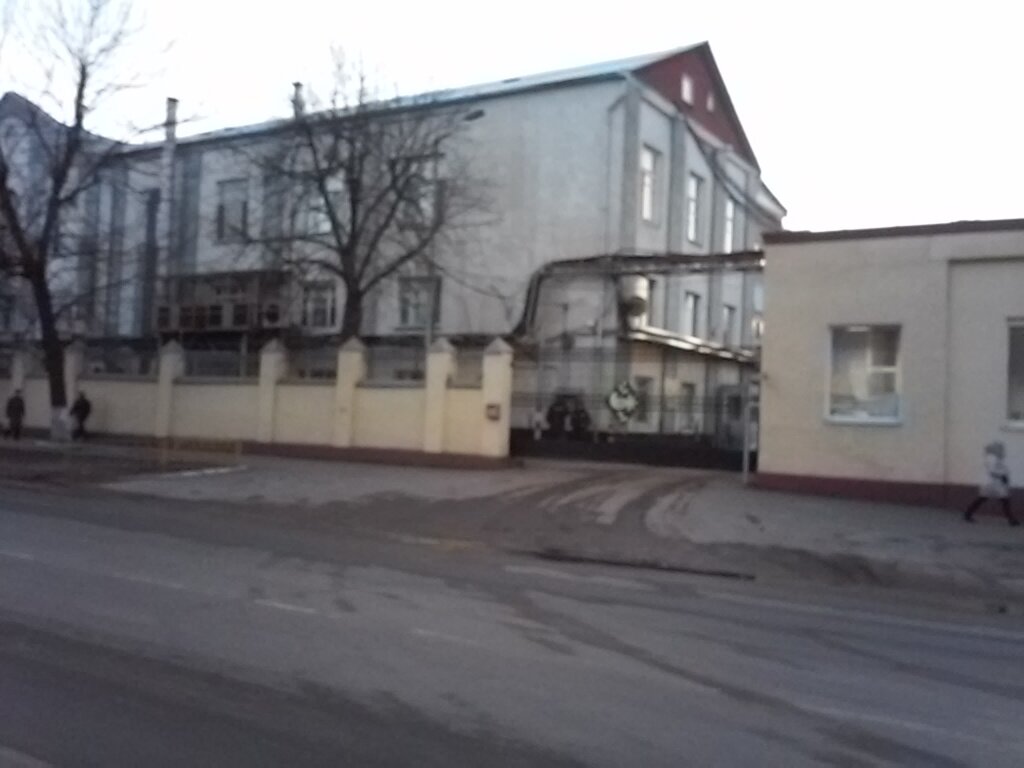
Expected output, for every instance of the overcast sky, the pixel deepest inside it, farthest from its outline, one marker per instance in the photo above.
(874, 113)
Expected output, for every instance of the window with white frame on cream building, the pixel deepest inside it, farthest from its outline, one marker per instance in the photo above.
(417, 299)
(319, 305)
(648, 183)
(691, 313)
(864, 383)
(232, 210)
(729, 226)
(1015, 374)
(694, 192)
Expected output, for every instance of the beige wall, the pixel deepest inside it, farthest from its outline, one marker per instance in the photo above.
(389, 418)
(462, 422)
(983, 297)
(215, 411)
(119, 406)
(304, 413)
(346, 412)
(903, 281)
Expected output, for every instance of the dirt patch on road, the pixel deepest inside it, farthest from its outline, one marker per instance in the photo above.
(71, 466)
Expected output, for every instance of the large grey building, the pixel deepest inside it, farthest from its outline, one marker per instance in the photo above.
(644, 156)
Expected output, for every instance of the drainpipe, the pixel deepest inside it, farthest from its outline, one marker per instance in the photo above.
(165, 220)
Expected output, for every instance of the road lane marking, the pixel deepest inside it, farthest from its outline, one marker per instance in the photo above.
(17, 555)
(554, 573)
(148, 580)
(993, 633)
(898, 722)
(15, 759)
(203, 472)
(286, 606)
(429, 633)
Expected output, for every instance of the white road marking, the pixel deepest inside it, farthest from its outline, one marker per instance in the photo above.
(148, 580)
(442, 636)
(993, 633)
(204, 472)
(286, 606)
(15, 759)
(895, 722)
(17, 555)
(554, 573)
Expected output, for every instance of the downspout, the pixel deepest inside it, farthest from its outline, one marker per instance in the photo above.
(165, 221)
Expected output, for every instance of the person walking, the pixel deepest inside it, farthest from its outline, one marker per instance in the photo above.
(995, 483)
(15, 414)
(80, 411)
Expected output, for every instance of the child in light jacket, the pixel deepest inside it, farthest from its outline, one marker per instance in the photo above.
(995, 483)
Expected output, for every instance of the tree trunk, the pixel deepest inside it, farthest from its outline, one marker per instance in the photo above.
(53, 357)
(352, 315)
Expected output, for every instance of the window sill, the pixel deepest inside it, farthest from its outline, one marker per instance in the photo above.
(863, 421)
(1013, 426)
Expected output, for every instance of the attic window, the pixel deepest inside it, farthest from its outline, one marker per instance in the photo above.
(710, 103)
(686, 89)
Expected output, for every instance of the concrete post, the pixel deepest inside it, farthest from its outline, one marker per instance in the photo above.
(351, 372)
(497, 391)
(171, 368)
(273, 367)
(440, 367)
(74, 367)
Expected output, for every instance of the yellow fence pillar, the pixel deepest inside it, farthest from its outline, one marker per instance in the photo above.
(440, 367)
(351, 372)
(273, 366)
(497, 391)
(171, 368)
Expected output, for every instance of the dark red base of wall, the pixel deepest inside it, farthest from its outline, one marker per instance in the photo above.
(920, 494)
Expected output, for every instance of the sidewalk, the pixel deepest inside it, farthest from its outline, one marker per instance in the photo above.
(891, 541)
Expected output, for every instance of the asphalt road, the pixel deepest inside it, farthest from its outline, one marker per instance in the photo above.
(143, 632)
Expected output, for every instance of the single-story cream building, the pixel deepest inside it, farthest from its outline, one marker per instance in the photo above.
(891, 357)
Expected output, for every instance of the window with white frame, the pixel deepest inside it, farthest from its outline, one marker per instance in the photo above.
(321, 210)
(686, 89)
(319, 305)
(648, 183)
(418, 299)
(1015, 378)
(691, 313)
(728, 323)
(728, 225)
(232, 210)
(694, 192)
(865, 373)
(687, 418)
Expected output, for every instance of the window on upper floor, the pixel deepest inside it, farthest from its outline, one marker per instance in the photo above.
(694, 206)
(648, 183)
(1015, 371)
(691, 313)
(232, 210)
(865, 379)
(728, 329)
(686, 89)
(319, 305)
(418, 299)
(728, 226)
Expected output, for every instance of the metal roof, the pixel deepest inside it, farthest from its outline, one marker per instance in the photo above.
(590, 72)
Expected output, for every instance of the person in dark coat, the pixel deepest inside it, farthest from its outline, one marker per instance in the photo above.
(15, 414)
(80, 411)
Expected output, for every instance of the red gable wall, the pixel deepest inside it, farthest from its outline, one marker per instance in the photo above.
(665, 77)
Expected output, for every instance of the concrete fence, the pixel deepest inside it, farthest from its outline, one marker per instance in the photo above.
(429, 416)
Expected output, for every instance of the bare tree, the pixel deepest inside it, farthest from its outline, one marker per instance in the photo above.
(48, 164)
(364, 185)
